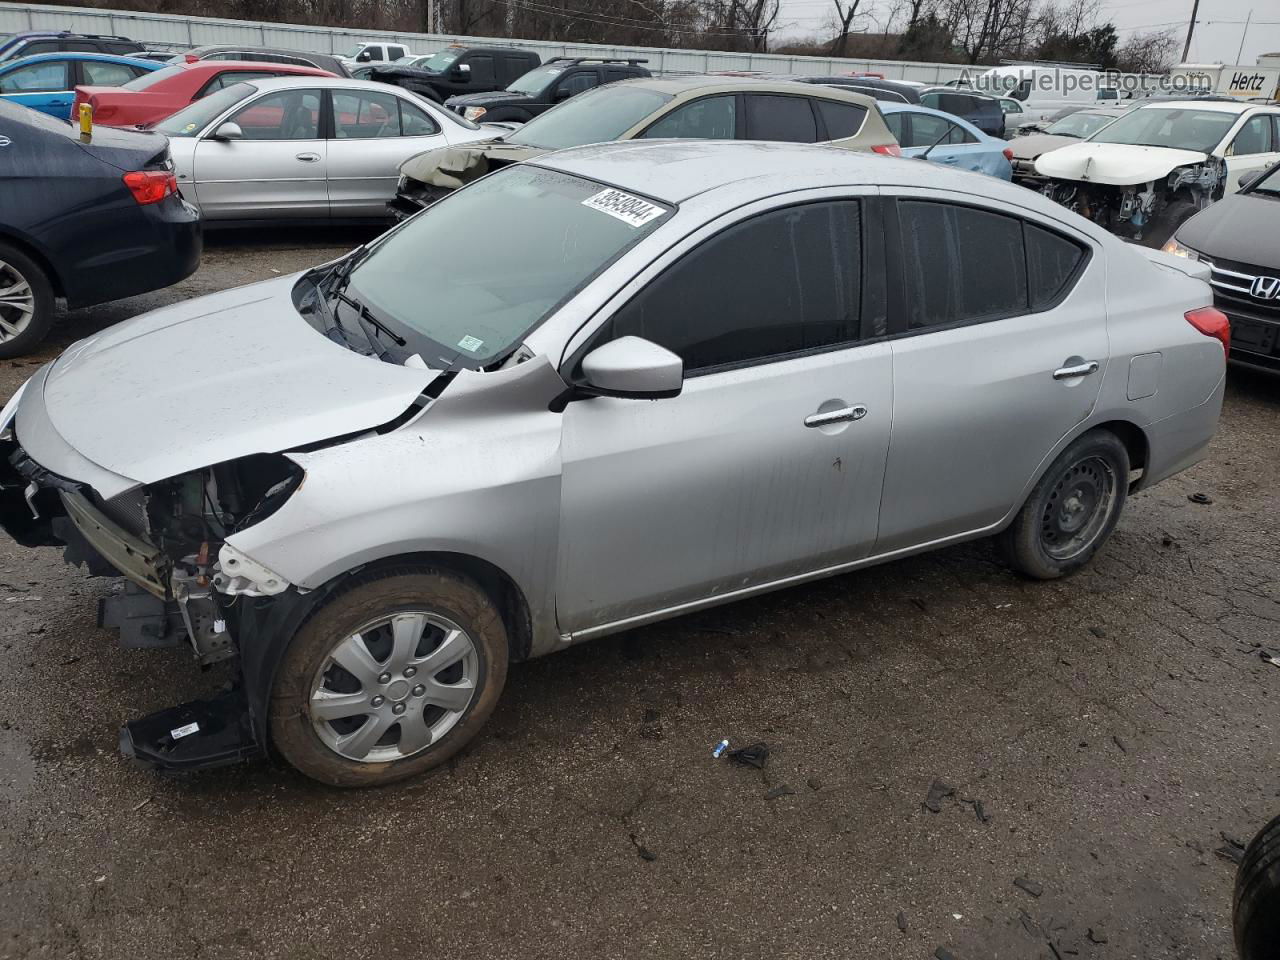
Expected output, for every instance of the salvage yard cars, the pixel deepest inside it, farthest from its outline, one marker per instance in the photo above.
(1156, 166)
(668, 383)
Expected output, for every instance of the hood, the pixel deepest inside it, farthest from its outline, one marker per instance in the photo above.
(487, 99)
(1117, 164)
(1242, 226)
(1031, 146)
(453, 167)
(217, 378)
(393, 70)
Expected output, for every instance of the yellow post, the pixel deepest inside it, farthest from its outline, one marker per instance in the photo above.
(86, 121)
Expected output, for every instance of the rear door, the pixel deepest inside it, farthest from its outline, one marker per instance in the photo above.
(276, 171)
(45, 86)
(946, 142)
(372, 134)
(789, 119)
(990, 314)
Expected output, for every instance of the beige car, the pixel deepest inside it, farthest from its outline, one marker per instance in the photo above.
(653, 108)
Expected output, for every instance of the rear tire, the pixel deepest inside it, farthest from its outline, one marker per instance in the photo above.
(391, 677)
(26, 303)
(1256, 904)
(1071, 510)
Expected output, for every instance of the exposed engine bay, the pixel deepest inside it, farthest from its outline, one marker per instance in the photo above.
(1151, 210)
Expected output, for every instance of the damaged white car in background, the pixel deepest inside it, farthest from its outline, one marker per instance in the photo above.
(1143, 175)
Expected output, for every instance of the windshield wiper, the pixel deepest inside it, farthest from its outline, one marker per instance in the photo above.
(365, 314)
(332, 325)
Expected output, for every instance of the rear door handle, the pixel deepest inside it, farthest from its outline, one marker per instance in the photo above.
(1076, 370)
(835, 416)
(308, 157)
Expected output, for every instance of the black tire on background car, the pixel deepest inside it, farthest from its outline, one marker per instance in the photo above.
(1173, 216)
(1256, 904)
(391, 677)
(1071, 510)
(26, 303)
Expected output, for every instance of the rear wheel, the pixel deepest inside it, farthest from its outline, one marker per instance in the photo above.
(26, 303)
(390, 678)
(1256, 913)
(1072, 509)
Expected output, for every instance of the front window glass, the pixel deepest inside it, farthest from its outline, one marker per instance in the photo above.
(191, 121)
(1079, 125)
(103, 73)
(597, 116)
(36, 78)
(545, 234)
(1199, 130)
(535, 81)
(288, 115)
(711, 118)
(440, 61)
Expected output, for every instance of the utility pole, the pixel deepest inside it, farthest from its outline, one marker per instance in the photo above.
(1186, 47)
(1244, 33)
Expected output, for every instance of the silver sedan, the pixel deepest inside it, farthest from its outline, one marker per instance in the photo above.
(682, 373)
(304, 148)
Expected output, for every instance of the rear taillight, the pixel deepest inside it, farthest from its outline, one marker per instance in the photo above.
(150, 186)
(1008, 153)
(1212, 323)
(887, 149)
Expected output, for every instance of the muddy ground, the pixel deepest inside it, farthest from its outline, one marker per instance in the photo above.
(1113, 727)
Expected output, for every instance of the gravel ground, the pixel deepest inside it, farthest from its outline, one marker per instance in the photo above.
(1100, 734)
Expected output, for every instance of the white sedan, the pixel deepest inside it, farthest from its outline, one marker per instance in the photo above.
(304, 148)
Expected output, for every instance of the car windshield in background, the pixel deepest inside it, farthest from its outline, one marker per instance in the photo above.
(1199, 130)
(154, 77)
(1078, 125)
(440, 61)
(536, 80)
(597, 116)
(1268, 183)
(189, 121)
(545, 234)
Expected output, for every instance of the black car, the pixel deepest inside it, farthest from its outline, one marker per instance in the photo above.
(543, 87)
(298, 58)
(1238, 238)
(983, 112)
(458, 69)
(890, 91)
(88, 220)
(31, 42)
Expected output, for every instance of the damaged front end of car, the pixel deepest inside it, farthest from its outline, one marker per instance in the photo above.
(1150, 210)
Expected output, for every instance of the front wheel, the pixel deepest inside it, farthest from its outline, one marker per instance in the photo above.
(390, 678)
(1072, 509)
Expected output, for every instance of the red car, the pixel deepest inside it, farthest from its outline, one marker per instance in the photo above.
(157, 95)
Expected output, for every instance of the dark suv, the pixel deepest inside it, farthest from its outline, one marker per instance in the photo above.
(983, 112)
(543, 87)
(30, 43)
(458, 69)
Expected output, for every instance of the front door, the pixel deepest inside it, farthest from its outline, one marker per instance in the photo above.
(770, 462)
(1253, 149)
(373, 133)
(999, 351)
(275, 171)
(45, 86)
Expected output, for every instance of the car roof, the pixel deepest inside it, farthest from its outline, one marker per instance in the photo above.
(83, 55)
(742, 171)
(311, 81)
(697, 84)
(303, 72)
(1217, 106)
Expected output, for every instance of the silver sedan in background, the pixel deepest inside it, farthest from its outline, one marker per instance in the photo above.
(683, 373)
(304, 148)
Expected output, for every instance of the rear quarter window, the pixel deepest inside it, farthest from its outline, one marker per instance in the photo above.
(1052, 262)
(842, 120)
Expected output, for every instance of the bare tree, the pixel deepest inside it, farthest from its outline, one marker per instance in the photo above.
(1148, 52)
(846, 10)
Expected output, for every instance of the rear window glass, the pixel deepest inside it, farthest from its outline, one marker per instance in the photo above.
(781, 118)
(155, 76)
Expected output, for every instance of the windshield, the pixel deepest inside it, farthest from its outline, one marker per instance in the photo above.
(354, 51)
(597, 116)
(440, 61)
(545, 234)
(154, 77)
(190, 121)
(536, 80)
(1199, 130)
(1078, 125)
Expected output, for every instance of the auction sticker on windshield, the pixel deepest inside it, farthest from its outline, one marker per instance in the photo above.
(470, 344)
(630, 210)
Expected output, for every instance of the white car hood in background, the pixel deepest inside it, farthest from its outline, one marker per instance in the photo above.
(1117, 164)
(216, 378)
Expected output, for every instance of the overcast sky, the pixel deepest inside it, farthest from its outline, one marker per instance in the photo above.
(1216, 39)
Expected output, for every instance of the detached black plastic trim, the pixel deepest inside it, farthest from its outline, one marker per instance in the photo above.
(222, 735)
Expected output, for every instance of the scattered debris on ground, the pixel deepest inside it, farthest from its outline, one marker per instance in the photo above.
(644, 852)
(1201, 498)
(938, 791)
(902, 921)
(754, 755)
(1232, 850)
(783, 790)
(1028, 885)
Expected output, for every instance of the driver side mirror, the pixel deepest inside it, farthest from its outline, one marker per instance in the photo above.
(562, 93)
(632, 368)
(1247, 180)
(230, 130)
(364, 56)
(462, 71)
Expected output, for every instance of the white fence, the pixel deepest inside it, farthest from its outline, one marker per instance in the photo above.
(165, 30)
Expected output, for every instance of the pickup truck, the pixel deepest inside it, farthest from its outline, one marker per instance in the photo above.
(543, 87)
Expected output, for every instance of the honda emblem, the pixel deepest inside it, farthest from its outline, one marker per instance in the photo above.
(1266, 288)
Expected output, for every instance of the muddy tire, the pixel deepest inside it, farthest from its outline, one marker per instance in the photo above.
(26, 303)
(391, 677)
(1256, 904)
(1166, 225)
(1071, 511)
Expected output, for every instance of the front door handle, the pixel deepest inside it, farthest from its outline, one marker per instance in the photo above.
(1076, 370)
(835, 416)
(308, 157)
